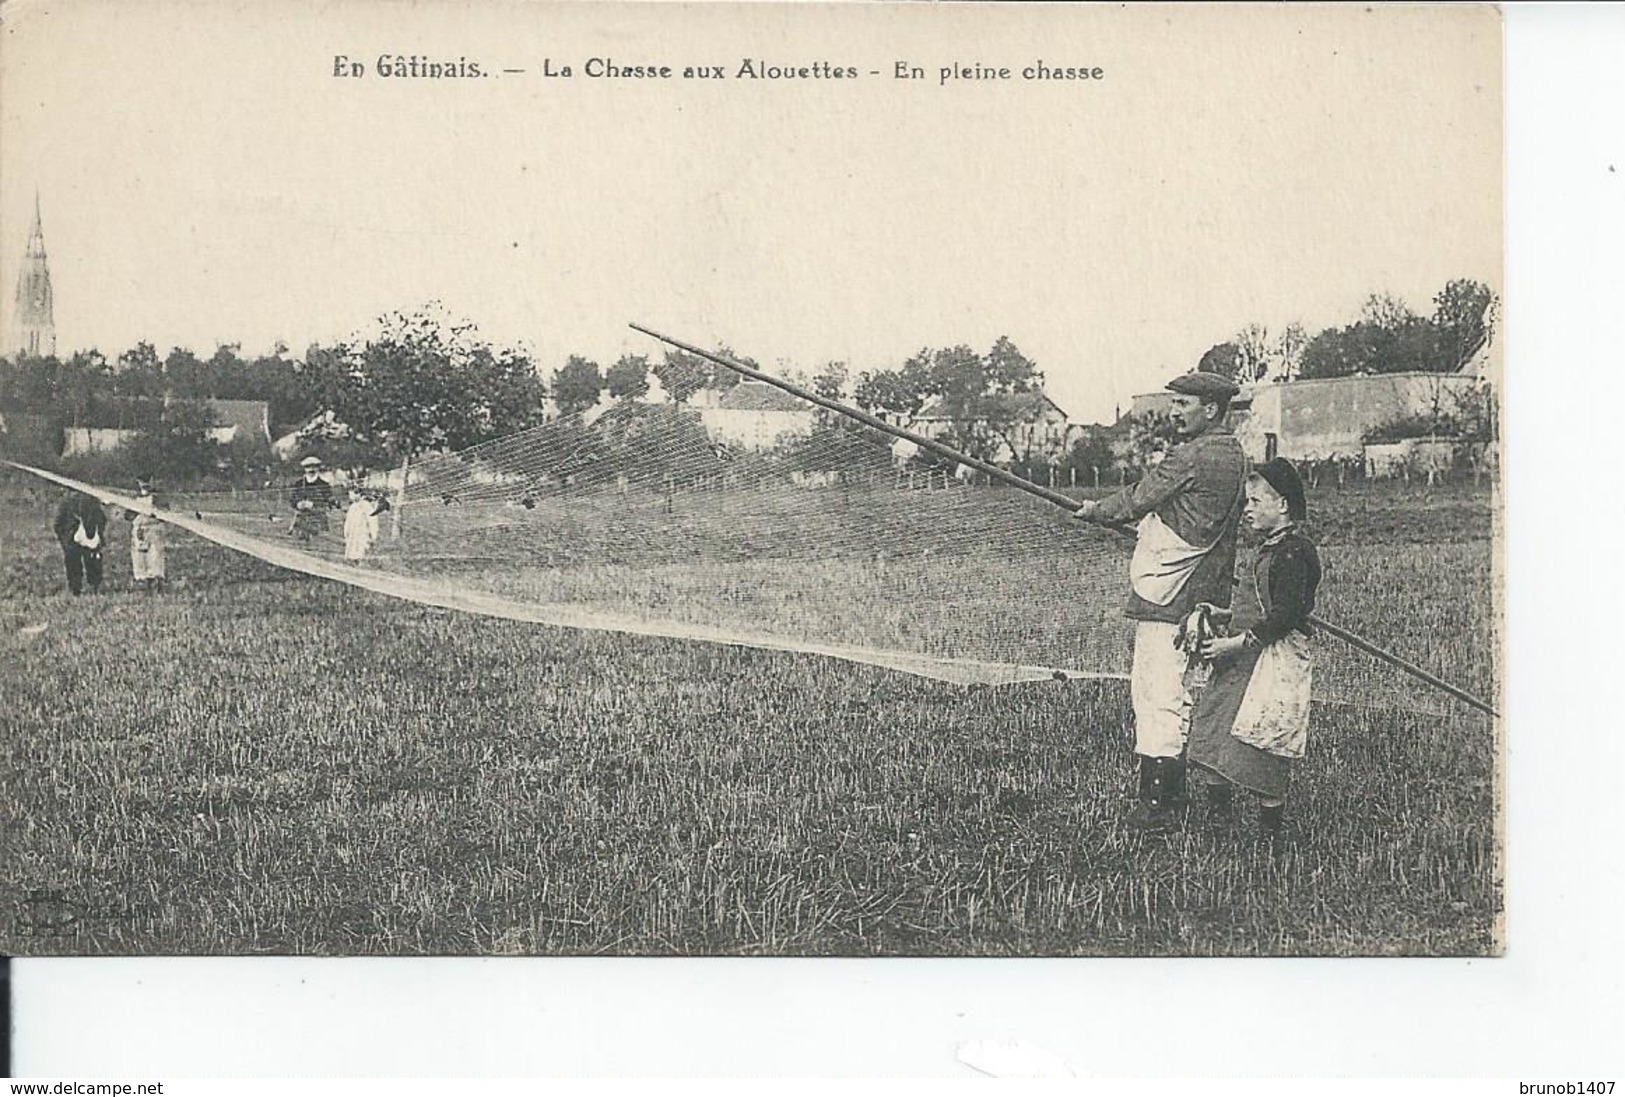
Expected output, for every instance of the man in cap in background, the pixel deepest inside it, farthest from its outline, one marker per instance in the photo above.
(1186, 507)
(312, 498)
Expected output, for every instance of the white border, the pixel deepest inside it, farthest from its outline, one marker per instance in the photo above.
(1551, 1007)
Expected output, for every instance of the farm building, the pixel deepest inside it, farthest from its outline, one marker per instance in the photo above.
(239, 419)
(112, 424)
(1331, 417)
(754, 415)
(1029, 425)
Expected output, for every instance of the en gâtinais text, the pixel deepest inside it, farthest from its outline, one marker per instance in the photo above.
(413, 64)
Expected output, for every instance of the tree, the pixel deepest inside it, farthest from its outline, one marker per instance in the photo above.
(985, 400)
(1464, 315)
(185, 374)
(1223, 359)
(1008, 370)
(1253, 351)
(1092, 455)
(1384, 310)
(140, 374)
(222, 371)
(899, 393)
(629, 376)
(577, 385)
(83, 379)
(33, 382)
(1288, 351)
(830, 381)
(424, 381)
(284, 384)
(721, 376)
(980, 397)
(959, 376)
(682, 374)
(1149, 434)
(1388, 338)
(176, 447)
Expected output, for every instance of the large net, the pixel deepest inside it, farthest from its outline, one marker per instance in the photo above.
(795, 529)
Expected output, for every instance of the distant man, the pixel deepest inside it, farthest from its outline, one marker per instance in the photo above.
(81, 530)
(311, 498)
(1186, 507)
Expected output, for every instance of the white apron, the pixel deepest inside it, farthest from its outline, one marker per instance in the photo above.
(1163, 561)
(146, 548)
(1274, 713)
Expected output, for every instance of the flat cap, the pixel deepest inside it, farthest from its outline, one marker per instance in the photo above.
(1208, 386)
(312, 462)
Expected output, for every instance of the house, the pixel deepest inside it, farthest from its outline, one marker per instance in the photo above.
(754, 415)
(79, 441)
(240, 419)
(1025, 426)
(1327, 418)
(113, 422)
(1331, 417)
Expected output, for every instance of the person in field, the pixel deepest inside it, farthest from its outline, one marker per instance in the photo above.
(360, 525)
(1253, 717)
(81, 530)
(146, 540)
(1186, 508)
(311, 498)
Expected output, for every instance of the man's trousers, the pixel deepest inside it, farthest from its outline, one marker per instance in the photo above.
(1162, 699)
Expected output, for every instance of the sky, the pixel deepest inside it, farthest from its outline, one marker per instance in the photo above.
(205, 178)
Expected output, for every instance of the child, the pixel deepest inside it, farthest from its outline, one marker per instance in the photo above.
(146, 540)
(1253, 717)
(360, 525)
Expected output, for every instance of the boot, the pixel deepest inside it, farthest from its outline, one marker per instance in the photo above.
(1162, 794)
(1270, 819)
(1221, 802)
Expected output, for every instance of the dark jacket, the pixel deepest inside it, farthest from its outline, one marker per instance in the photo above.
(318, 493)
(80, 509)
(1197, 492)
(1287, 573)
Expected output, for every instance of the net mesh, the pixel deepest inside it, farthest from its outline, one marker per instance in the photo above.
(805, 532)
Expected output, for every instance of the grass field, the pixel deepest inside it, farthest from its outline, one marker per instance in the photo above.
(258, 762)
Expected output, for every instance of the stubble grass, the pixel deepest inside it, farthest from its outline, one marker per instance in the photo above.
(262, 763)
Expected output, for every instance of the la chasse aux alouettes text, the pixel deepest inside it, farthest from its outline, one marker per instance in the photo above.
(422, 66)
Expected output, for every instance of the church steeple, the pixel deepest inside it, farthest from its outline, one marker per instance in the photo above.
(36, 319)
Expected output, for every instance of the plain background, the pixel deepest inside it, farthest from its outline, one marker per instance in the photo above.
(1552, 1007)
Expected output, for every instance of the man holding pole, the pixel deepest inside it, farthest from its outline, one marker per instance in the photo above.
(1186, 507)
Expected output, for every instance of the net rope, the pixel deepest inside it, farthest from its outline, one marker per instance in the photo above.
(795, 532)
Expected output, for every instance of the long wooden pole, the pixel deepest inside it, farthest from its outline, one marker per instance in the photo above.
(931, 444)
(1060, 499)
(1354, 639)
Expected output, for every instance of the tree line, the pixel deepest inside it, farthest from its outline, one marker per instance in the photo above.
(423, 381)
(1388, 337)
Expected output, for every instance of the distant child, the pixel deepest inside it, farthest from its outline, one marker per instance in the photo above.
(146, 540)
(1253, 717)
(360, 525)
